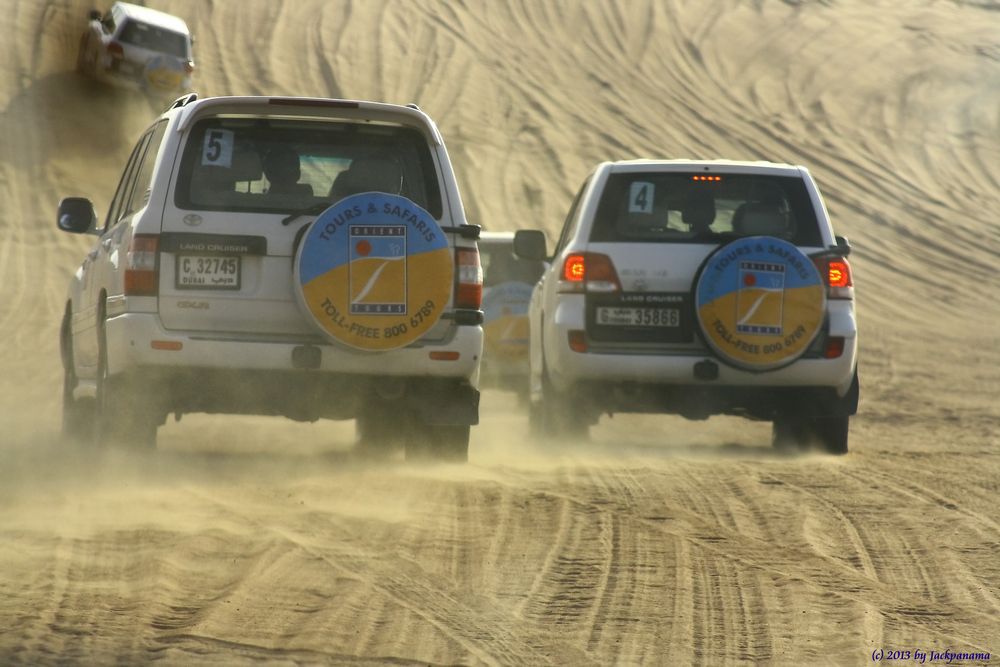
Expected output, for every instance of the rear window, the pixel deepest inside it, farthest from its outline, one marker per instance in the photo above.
(154, 39)
(704, 208)
(271, 165)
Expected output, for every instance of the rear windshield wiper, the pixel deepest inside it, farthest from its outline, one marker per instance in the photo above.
(312, 209)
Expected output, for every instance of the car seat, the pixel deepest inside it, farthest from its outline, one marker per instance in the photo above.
(368, 174)
(699, 209)
(760, 219)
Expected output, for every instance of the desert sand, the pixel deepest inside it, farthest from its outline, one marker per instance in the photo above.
(660, 541)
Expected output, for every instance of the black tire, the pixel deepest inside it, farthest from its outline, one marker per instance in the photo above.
(831, 433)
(438, 442)
(789, 434)
(123, 415)
(379, 431)
(77, 414)
(557, 416)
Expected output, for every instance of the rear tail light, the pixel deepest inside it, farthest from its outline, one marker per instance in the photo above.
(468, 279)
(836, 272)
(115, 50)
(589, 272)
(141, 276)
(188, 67)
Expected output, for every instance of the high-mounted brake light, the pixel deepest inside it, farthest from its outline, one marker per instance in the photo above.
(589, 272)
(836, 272)
(141, 276)
(468, 278)
(711, 179)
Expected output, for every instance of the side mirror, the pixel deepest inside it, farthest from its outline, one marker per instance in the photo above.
(530, 244)
(76, 215)
(94, 15)
(843, 245)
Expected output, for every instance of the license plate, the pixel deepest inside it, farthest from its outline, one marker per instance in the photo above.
(208, 272)
(639, 317)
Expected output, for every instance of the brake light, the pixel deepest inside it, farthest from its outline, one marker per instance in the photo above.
(589, 272)
(468, 279)
(577, 340)
(839, 273)
(188, 67)
(836, 272)
(141, 277)
(115, 50)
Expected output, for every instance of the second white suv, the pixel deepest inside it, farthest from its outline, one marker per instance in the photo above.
(279, 256)
(696, 288)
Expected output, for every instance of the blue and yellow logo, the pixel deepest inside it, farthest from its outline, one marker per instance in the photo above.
(374, 271)
(505, 310)
(760, 303)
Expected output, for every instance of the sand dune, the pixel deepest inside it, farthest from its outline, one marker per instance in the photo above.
(661, 541)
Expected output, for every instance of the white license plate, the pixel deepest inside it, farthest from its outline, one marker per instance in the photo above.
(639, 317)
(208, 272)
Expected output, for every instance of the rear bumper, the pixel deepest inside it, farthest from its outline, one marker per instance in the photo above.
(213, 374)
(130, 338)
(691, 381)
(676, 366)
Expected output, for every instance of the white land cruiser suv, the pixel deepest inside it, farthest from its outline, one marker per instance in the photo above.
(136, 47)
(279, 256)
(696, 288)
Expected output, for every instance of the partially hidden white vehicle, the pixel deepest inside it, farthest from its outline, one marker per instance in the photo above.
(508, 282)
(136, 47)
(279, 256)
(696, 288)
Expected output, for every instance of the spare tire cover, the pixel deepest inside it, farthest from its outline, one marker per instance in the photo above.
(374, 271)
(759, 302)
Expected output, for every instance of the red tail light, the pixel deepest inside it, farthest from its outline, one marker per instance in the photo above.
(141, 275)
(836, 272)
(115, 50)
(468, 279)
(589, 272)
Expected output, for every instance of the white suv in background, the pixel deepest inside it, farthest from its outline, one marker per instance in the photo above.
(279, 256)
(696, 288)
(136, 47)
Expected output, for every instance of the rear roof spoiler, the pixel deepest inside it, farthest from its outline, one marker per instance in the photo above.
(312, 107)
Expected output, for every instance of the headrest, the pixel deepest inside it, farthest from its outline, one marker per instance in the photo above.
(246, 165)
(699, 209)
(281, 165)
(760, 218)
(368, 174)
